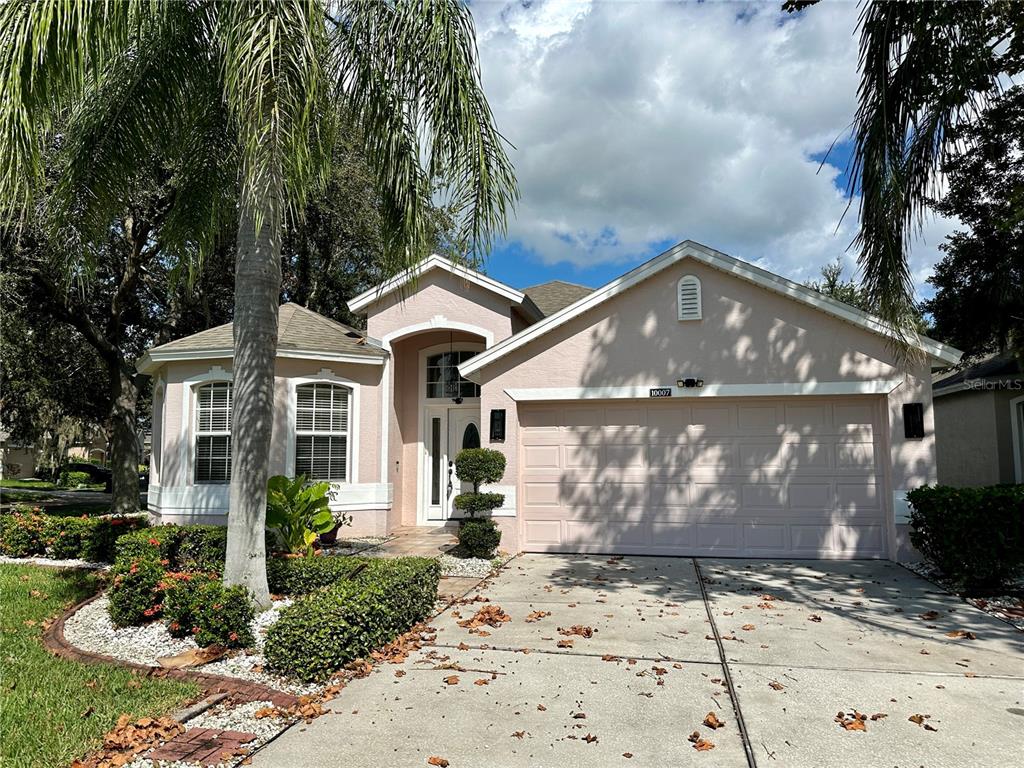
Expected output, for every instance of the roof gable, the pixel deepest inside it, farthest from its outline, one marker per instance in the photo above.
(723, 263)
(409, 276)
(556, 295)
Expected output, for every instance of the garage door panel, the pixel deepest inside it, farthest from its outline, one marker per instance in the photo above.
(785, 477)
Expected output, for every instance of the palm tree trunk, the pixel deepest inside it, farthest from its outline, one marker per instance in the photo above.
(124, 443)
(257, 291)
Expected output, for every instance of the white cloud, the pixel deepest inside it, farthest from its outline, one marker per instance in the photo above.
(636, 123)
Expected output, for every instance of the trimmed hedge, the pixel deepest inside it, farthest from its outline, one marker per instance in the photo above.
(198, 605)
(321, 632)
(479, 537)
(73, 479)
(300, 575)
(27, 532)
(975, 536)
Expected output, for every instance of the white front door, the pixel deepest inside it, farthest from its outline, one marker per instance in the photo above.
(448, 429)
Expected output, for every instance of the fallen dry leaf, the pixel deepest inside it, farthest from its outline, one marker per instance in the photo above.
(609, 657)
(194, 657)
(962, 634)
(930, 615)
(564, 643)
(541, 708)
(814, 617)
(462, 647)
(519, 734)
(577, 629)
(440, 762)
(627, 755)
(712, 721)
(747, 627)
(854, 721)
(590, 738)
(452, 680)
(482, 681)
(490, 615)
(776, 685)
(878, 715)
(537, 616)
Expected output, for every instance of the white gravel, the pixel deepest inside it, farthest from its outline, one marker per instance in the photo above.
(476, 567)
(91, 630)
(51, 563)
(997, 605)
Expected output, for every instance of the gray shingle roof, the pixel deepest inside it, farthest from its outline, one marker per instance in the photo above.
(298, 329)
(555, 295)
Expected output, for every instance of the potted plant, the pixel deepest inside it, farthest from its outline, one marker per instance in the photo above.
(330, 537)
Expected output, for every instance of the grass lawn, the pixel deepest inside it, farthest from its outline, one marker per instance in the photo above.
(39, 485)
(17, 497)
(53, 711)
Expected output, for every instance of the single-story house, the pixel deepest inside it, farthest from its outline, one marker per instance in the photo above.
(697, 405)
(979, 423)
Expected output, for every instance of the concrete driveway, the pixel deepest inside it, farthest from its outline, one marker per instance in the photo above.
(802, 641)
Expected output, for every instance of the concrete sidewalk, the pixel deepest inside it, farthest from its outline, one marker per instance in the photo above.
(632, 693)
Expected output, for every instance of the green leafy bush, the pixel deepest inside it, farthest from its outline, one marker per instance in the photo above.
(975, 536)
(136, 593)
(479, 466)
(154, 544)
(202, 548)
(182, 600)
(324, 630)
(299, 575)
(298, 512)
(22, 532)
(472, 503)
(88, 538)
(73, 479)
(198, 605)
(479, 537)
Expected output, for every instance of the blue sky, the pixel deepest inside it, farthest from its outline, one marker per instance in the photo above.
(639, 124)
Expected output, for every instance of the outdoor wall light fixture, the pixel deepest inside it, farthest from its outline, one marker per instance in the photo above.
(689, 383)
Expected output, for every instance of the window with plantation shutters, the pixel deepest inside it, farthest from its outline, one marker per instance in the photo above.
(322, 431)
(213, 433)
(688, 294)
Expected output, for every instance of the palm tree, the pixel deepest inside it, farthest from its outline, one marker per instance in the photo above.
(281, 73)
(925, 69)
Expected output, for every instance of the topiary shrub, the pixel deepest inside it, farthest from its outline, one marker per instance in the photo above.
(479, 537)
(474, 503)
(135, 593)
(22, 532)
(326, 629)
(299, 575)
(479, 466)
(155, 544)
(975, 536)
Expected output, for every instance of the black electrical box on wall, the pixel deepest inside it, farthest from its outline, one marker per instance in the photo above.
(913, 420)
(498, 425)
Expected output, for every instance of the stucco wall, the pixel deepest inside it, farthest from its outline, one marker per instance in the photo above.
(968, 434)
(439, 297)
(176, 498)
(747, 335)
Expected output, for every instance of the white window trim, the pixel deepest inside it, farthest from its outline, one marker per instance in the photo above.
(188, 417)
(326, 376)
(156, 448)
(197, 433)
(427, 352)
(700, 302)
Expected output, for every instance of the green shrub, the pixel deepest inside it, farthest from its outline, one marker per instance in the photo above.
(198, 605)
(975, 536)
(88, 538)
(73, 479)
(202, 548)
(479, 537)
(135, 592)
(22, 532)
(480, 466)
(223, 616)
(182, 600)
(154, 544)
(299, 575)
(472, 503)
(324, 630)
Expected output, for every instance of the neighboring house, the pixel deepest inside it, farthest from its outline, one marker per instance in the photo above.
(17, 461)
(697, 405)
(979, 423)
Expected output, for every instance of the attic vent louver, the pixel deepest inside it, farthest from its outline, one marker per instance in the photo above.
(688, 294)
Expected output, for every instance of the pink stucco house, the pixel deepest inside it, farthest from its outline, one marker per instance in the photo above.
(697, 405)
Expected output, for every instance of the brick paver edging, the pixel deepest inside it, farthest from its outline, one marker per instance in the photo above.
(237, 690)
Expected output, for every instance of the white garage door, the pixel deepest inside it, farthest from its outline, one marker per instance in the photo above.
(772, 477)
